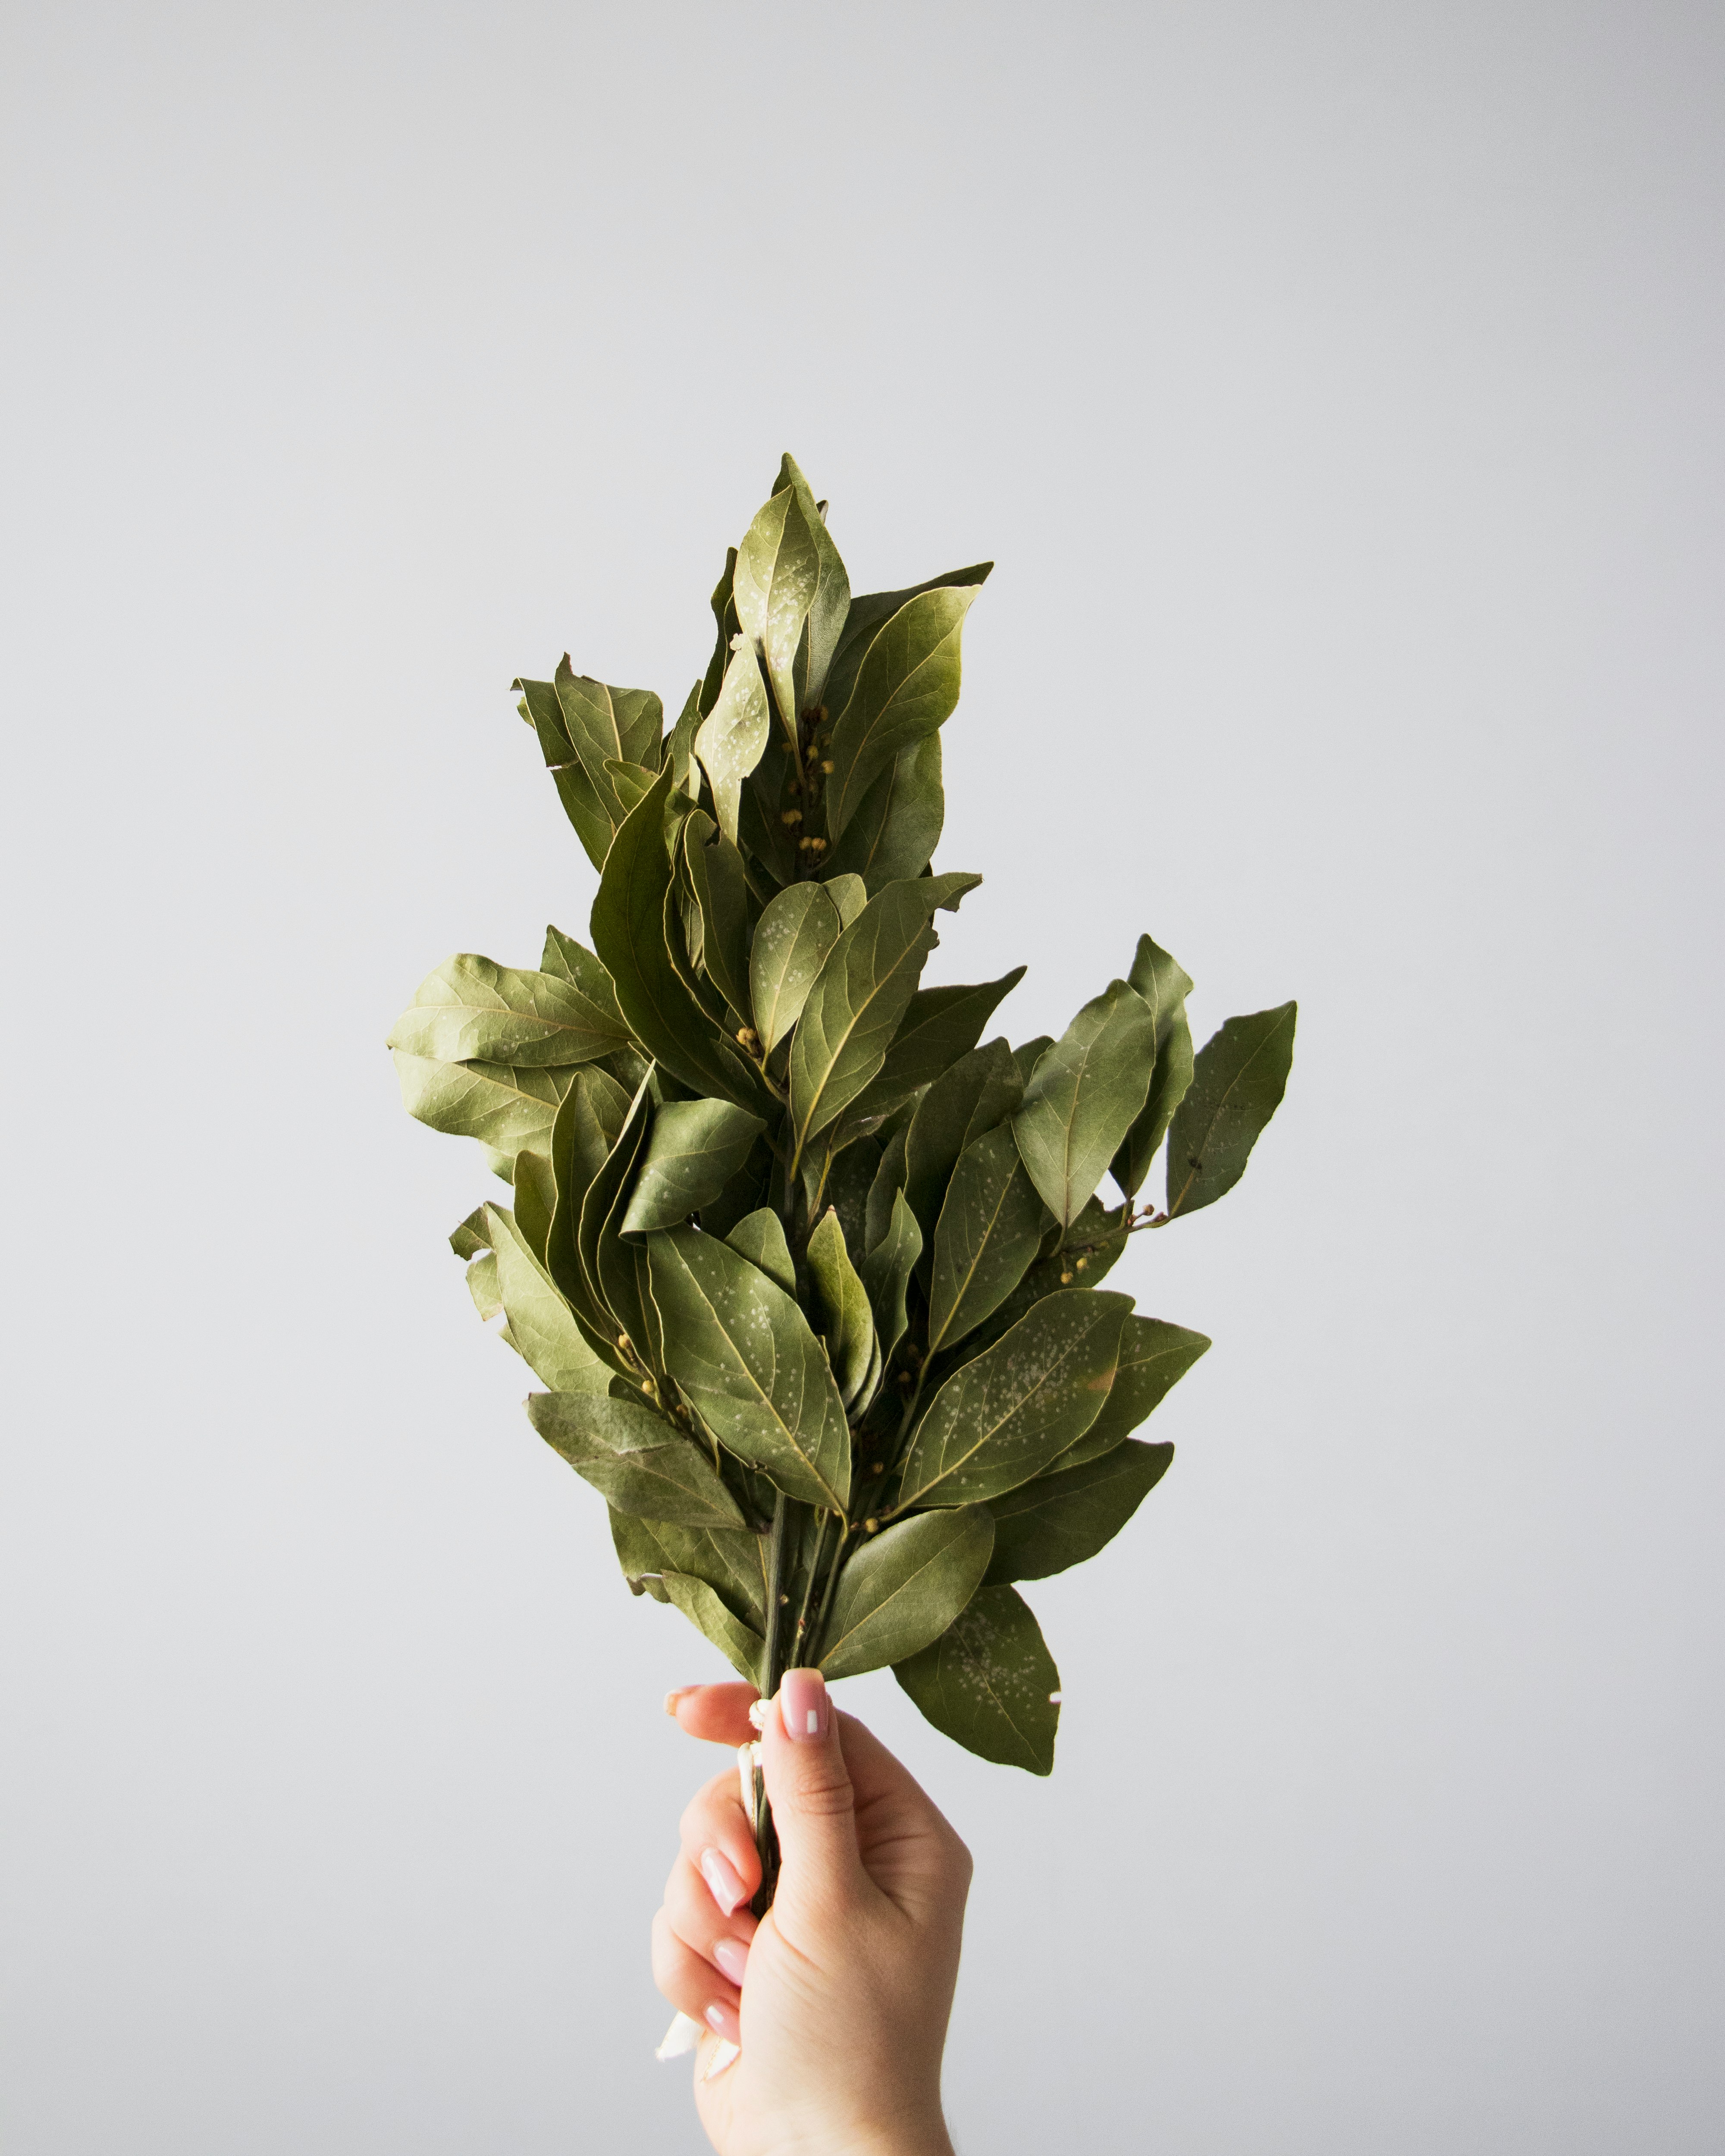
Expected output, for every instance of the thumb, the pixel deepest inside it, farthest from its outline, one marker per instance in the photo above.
(808, 1787)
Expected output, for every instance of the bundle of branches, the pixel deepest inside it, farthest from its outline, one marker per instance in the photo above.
(813, 1280)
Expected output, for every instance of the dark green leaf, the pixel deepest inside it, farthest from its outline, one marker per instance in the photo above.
(607, 1264)
(889, 1181)
(1083, 1097)
(1154, 1356)
(715, 872)
(1001, 1419)
(588, 1125)
(862, 994)
(990, 1225)
(686, 772)
(743, 1648)
(989, 1683)
(1026, 1059)
(761, 1239)
(1061, 1520)
(643, 1464)
(886, 1273)
(725, 616)
(748, 1364)
(541, 1327)
(841, 1310)
(903, 1587)
(941, 1025)
(540, 708)
(746, 1191)
(629, 931)
(1237, 1085)
(979, 1092)
(732, 735)
(791, 940)
(905, 686)
(1163, 989)
(472, 1009)
(693, 1150)
(897, 825)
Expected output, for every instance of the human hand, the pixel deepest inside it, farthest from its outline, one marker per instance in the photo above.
(840, 1995)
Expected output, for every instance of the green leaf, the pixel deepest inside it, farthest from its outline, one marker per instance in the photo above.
(986, 1241)
(791, 940)
(473, 1235)
(1061, 1520)
(608, 726)
(506, 1106)
(731, 1562)
(869, 612)
(792, 595)
(941, 1025)
(588, 1125)
(720, 887)
(760, 1238)
(573, 962)
(989, 1683)
(472, 1009)
(540, 708)
(743, 1354)
(842, 1314)
(641, 1462)
(629, 782)
(1026, 1059)
(889, 1181)
(746, 1191)
(849, 893)
(886, 1271)
(902, 1589)
(905, 686)
(693, 1150)
(861, 996)
(976, 1095)
(1083, 1097)
(725, 617)
(608, 1264)
(686, 772)
(1237, 1084)
(743, 1648)
(629, 931)
(895, 826)
(482, 1286)
(1163, 989)
(1154, 1356)
(733, 735)
(545, 1333)
(1000, 1418)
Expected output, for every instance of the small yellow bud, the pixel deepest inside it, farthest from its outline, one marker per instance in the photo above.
(1066, 1279)
(1082, 1263)
(826, 764)
(870, 1526)
(792, 816)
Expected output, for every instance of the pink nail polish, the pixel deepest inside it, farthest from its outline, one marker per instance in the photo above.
(803, 1704)
(723, 2022)
(722, 1883)
(730, 1957)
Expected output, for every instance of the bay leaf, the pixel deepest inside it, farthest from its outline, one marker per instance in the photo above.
(761, 1239)
(941, 1025)
(903, 1587)
(989, 1683)
(744, 1356)
(743, 1648)
(791, 593)
(1237, 1081)
(869, 612)
(506, 1106)
(987, 1237)
(642, 1463)
(732, 735)
(1083, 1097)
(840, 1308)
(1001, 1418)
(693, 1149)
(1061, 1520)
(793, 937)
(1154, 1356)
(906, 685)
(972, 1096)
(895, 827)
(604, 726)
(542, 1326)
(887, 1270)
(1163, 988)
(720, 887)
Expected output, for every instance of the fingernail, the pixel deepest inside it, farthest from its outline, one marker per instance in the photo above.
(720, 1873)
(803, 1704)
(730, 1957)
(672, 1697)
(723, 2022)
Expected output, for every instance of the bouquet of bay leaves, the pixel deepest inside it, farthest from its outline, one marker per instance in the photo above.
(812, 1279)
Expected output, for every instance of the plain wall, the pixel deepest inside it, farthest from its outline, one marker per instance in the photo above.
(1338, 388)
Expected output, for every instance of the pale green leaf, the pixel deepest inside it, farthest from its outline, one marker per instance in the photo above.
(840, 1308)
(989, 1683)
(473, 1235)
(869, 612)
(471, 1009)
(482, 1286)
(849, 893)
(1083, 1097)
(542, 1328)
(1237, 1083)
(570, 961)
(588, 1125)
(732, 735)
(608, 1264)
(792, 595)
(506, 1106)
(608, 726)
(685, 772)
(903, 1587)
(746, 1360)
(791, 940)
(642, 1463)
(1002, 1417)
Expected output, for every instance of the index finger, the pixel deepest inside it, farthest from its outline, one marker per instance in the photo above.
(718, 1713)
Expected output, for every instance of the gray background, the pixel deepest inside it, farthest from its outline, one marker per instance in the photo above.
(1338, 388)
